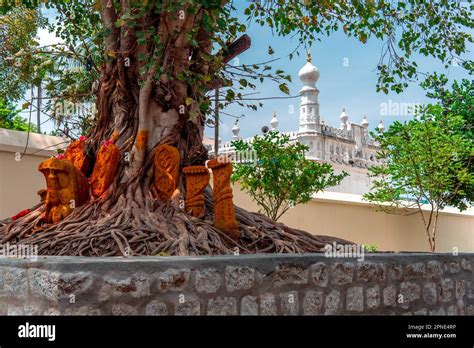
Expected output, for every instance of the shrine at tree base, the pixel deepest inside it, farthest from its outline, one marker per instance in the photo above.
(224, 213)
(76, 153)
(66, 188)
(197, 179)
(166, 166)
(105, 168)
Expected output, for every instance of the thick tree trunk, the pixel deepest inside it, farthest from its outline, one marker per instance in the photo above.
(142, 103)
(143, 109)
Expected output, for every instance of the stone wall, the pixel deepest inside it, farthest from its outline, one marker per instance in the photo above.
(311, 284)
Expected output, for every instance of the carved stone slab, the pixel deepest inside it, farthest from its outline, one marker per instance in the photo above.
(224, 213)
(166, 166)
(66, 188)
(197, 178)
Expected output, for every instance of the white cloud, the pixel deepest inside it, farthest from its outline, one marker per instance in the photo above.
(46, 38)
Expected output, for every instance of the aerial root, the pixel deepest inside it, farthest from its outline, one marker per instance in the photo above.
(148, 227)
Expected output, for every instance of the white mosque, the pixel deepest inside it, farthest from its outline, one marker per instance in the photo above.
(348, 148)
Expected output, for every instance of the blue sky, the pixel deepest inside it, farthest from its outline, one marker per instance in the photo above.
(352, 86)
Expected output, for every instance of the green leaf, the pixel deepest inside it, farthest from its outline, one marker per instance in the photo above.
(284, 88)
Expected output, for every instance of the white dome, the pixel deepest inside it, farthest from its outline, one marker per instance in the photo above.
(364, 122)
(236, 129)
(343, 116)
(309, 74)
(274, 122)
(381, 126)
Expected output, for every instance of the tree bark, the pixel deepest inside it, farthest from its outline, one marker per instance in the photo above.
(143, 102)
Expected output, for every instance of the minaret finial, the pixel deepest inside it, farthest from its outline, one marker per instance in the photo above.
(308, 57)
(274, 122)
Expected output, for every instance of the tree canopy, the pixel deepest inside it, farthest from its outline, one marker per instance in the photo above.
(90, 36)
(457, 100)
(424, 166)
(150, 66)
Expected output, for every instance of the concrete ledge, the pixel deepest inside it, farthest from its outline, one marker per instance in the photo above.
(38, 144)
(349, 198)
(307, 284)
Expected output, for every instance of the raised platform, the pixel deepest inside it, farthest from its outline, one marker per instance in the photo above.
(310, 284)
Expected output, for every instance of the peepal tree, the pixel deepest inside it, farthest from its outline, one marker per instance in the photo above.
(280, 176)
(457, 100)
(424, 167)
(149, 66)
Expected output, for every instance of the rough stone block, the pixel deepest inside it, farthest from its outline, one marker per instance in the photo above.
(430, 295)
(290, 275)
(222, 306)
(33, 308)
(390, 296)
(268, 304)
(446, 290)
(333, 303)
(395, 272)
(52, 311)
(320, 274)
(249, 306)
(173, 280)
(289, 303)
(372, 295)
(470, 310)
(461, 307)
(313, 303)
(208, 281)
(439, 311)
(188, 305)
(434, 269)
(355, 299)
(239, 278)
(342, 273)
(81, 310)
(466, 265)
(367, 271)
(451, 310)
(156, 307)
(123, 309)
(422, 311)
(454, 266)
(470, 287)
(115, 286)
(13, 282)
(460, 289)
(3, 307)
(382, 272)
(44, 283)
(15, 310)
(415, 270)
(410, 292)
(74, 283)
